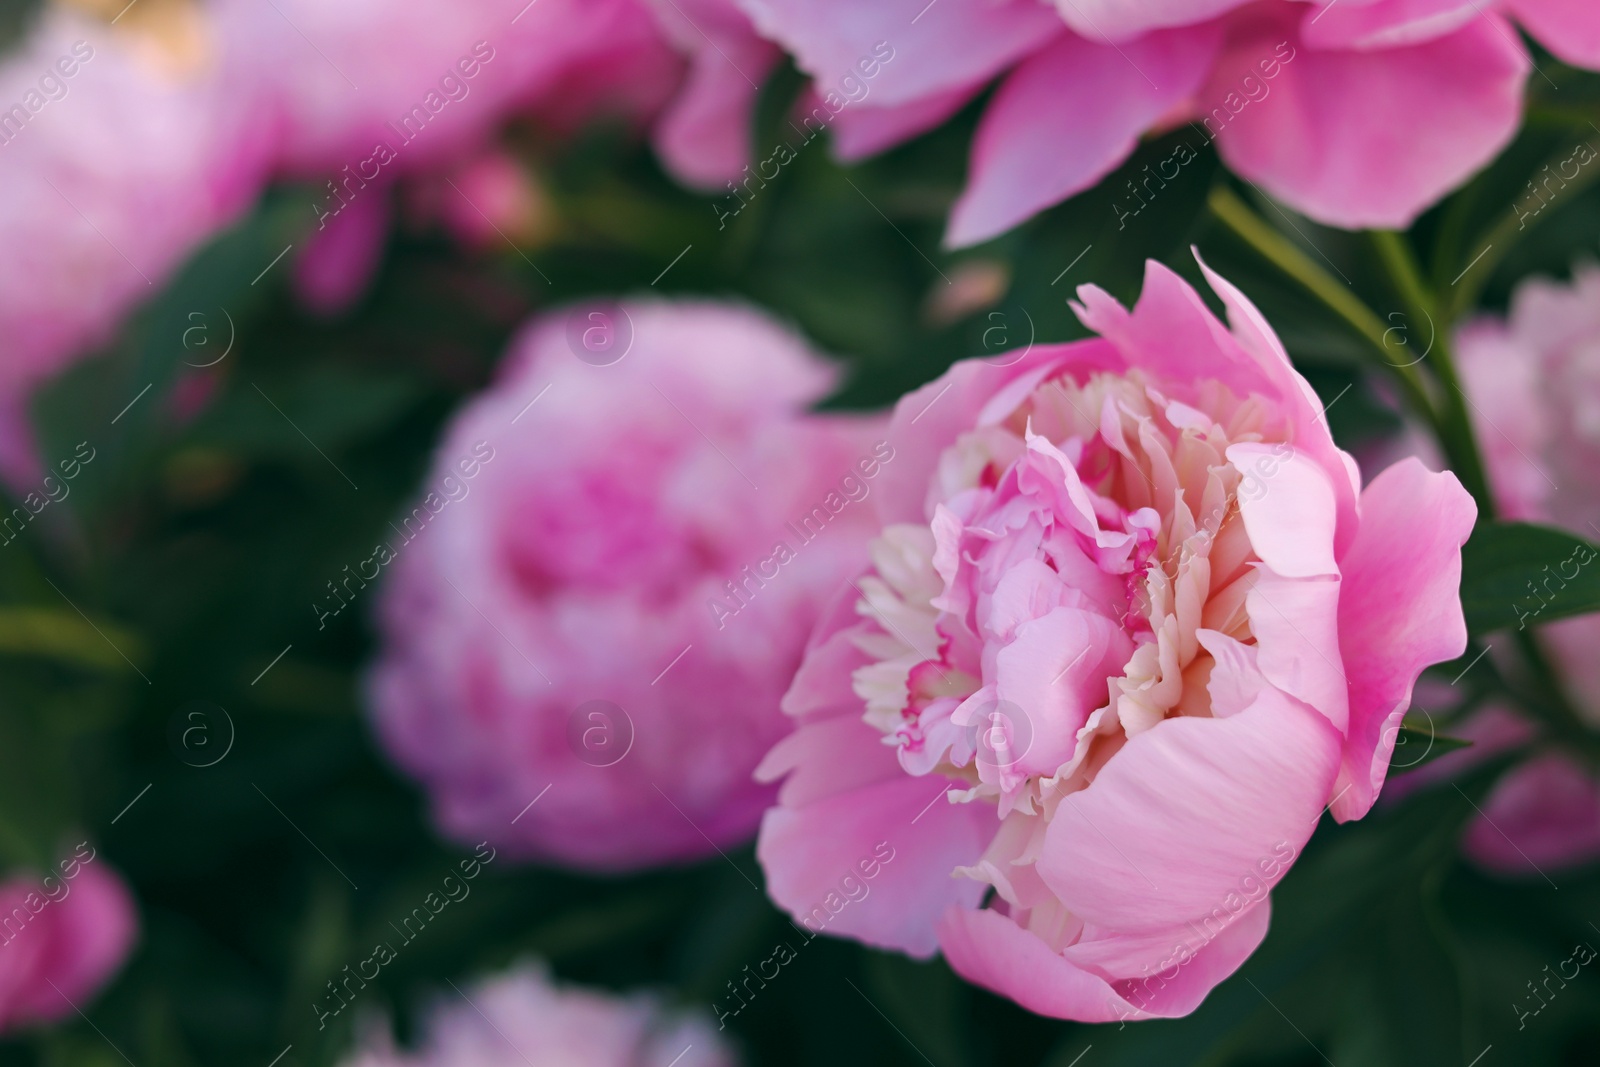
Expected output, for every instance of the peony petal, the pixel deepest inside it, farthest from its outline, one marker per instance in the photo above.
(1119, 20)
(1327, 138)
(1400, 611)
(1289, 509)
(1569, 28)
(704, 135)
(808, 852)
(86, 936)
(1065, 117)
(1054, 673)
(1188, 810)
(1385, 24)
(991, 950)
(860, 131)
(821, 687)
(1296, 625)
(1300, 403)
(1171, 334)
(913, 48)
(927, 420)
(823, 758)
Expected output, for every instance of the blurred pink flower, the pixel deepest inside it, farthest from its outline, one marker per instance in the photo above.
(499, 200)
(1298, 97)
(434, 77)
(61, 939)
(1534, 384)
(1132, 624)
(111, 181)
(428, 78)
(657, 534)
(523, 1018)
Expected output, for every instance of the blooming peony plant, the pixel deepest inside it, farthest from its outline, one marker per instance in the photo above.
(1297, 97)
(1132, 624)
(632, 543)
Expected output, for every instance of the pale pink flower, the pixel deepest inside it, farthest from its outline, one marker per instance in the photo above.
(1534, 384)
(1298, 97)
(658, 534)
(427, 78)
(62, 936)
(1132, 624)
(522, 1017)
(122, 170)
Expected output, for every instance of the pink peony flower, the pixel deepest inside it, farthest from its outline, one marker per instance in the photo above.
(618, 585)
(115, 172)
(1534, 385)
(61, 939)
(522, 1017)
(1132, 624)
(1298, 97)
(428, 79)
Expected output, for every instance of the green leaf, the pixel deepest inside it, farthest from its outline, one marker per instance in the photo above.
(1515, 574)
(1417, 744)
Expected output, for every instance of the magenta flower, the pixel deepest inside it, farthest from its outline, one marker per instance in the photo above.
(62, 937)
(1534, 384)
(522, 1018)
(1132, 624)
(636, 529)
(1299, 98)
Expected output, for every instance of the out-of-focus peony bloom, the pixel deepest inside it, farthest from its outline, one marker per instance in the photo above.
(522, 1017)
(427, 79)
(361, 94)
(1298, 97)
(61, 938)
(657, 535)
(434, 77)
(1131, 625)
(118, 163)
(1534, 383)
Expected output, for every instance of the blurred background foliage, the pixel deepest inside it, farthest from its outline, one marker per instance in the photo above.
(187, 554)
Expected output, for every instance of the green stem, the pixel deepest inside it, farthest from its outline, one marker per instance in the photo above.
(1454, 423)
(1278, 250)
